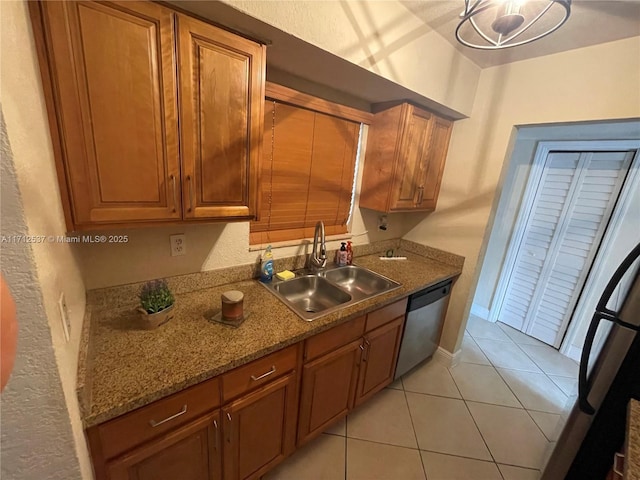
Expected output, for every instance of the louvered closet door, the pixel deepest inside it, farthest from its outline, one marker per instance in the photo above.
(571, 208)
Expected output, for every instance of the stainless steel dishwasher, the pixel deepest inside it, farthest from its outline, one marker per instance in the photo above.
(425, 315)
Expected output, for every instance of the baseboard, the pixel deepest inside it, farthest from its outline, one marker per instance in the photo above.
(447, 358)
(574, 353)
(479, 311)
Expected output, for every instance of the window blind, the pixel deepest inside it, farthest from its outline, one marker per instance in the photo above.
(307, 173)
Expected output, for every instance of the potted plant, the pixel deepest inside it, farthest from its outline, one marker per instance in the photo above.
(156, 303)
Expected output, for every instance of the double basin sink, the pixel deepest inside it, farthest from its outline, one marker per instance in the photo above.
(314, 294)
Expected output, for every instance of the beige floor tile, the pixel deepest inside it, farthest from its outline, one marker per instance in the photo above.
(551, 361)
(479, 328)
(550, 423)
(322, 459)
(338, 428)
(396, 385)
(513, 438)
(481, 383)
(519, 337)
(374, 461)
(509, 472)
(385, 419)
(535, 391)
(448, 467)
(431, 377)
(444, 425)
(506, 355)
(471, 352)
(569, 385)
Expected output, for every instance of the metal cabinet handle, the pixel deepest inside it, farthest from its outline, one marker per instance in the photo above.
(175, 201)
(190, 193)
(420, 194)
(270, 372)
(366, 352)
(229, 429)
(616, 458)
(215, 424)
(154, 424)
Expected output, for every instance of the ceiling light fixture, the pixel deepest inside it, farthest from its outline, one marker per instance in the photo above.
(497, 24)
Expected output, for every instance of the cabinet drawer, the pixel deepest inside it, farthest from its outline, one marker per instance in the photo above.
(132, 429)
(258, 372)
(386, 314)
(334, 338)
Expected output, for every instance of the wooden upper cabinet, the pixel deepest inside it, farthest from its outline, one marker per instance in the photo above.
(221, 78)
(112, 67)
(404, 161)
(126, 152)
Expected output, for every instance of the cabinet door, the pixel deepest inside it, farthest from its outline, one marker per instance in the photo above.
(259, 429)
(379, 359)
(191, 452)
(433, 167)
(115, 95)
(221, 78)
(413, 154)
(328, 389)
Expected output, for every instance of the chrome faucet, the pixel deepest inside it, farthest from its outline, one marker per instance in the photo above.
(318, 261)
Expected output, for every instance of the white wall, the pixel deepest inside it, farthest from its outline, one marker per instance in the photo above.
(381, 36)
(37, 441)
(57, 266)
(594, 83)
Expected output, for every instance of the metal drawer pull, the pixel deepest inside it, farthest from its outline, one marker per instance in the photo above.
(153, 423)
(273, 370)
(617, 459)
(215, 424)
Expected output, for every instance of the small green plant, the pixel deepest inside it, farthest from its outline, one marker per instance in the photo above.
(155, 296)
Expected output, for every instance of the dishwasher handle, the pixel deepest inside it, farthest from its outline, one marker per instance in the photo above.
(429, 295)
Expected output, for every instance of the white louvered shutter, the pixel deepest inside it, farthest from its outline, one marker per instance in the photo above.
(571, 208)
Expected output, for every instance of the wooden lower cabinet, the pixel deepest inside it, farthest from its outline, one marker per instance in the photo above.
(379, 359)
(191, 452)
(236, 428)
(338, 381)
(328, 388)
(259, 429)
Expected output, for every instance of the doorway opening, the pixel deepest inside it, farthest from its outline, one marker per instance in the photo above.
(565, 215)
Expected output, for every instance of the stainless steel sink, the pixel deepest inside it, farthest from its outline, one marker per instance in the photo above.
(311, 294)
(360, 281)
(314, 294)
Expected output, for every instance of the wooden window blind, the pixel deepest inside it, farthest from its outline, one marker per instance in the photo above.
(307, 173)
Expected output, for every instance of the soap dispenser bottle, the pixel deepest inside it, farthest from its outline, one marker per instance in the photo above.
(342, 255)
(266, 269)
(349, 254)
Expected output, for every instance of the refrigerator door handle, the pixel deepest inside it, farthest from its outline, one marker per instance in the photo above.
(583, 388)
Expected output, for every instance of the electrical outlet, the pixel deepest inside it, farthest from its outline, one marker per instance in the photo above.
(178, 245)
(64, 317)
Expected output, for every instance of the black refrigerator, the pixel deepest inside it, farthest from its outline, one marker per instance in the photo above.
(608, 379)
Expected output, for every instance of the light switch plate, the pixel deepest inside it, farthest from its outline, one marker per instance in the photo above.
(178, 245)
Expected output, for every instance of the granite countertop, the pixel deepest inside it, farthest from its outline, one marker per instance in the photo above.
(632, 458)
(129, 368)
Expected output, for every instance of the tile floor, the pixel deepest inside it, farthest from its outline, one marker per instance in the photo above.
(493, 416)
